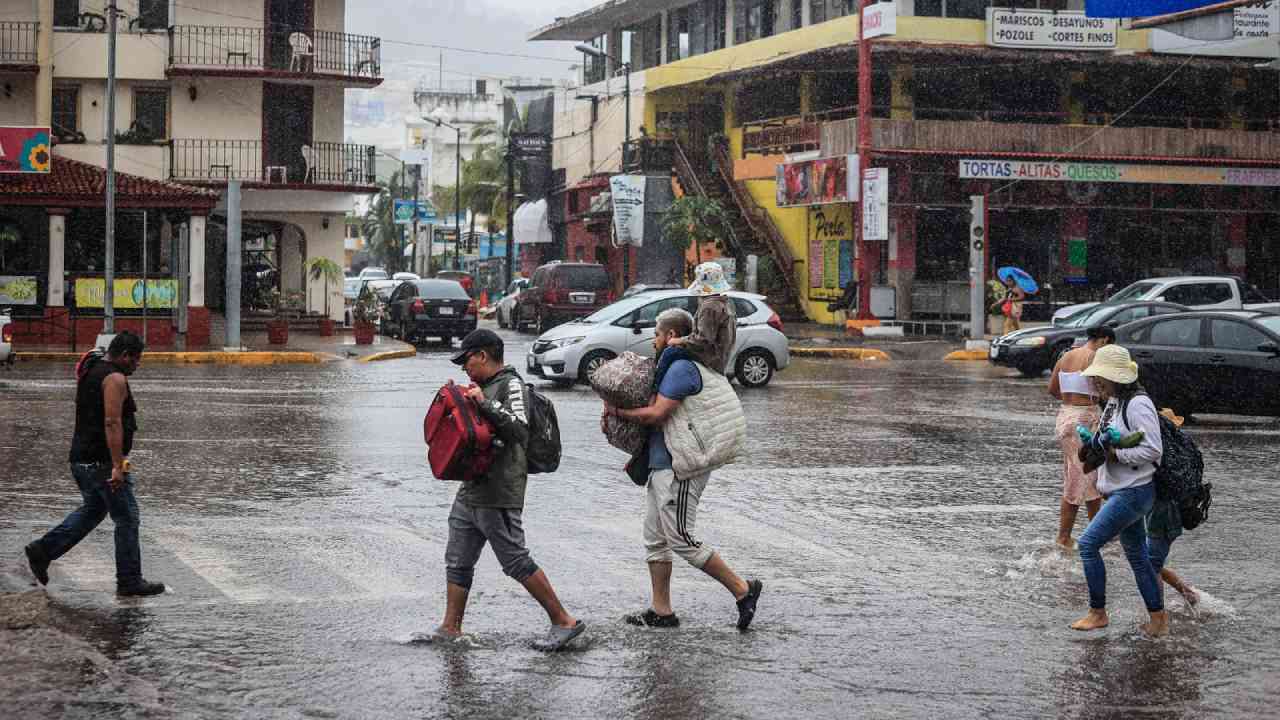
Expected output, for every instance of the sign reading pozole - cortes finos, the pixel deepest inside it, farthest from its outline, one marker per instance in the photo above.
(24, 150)
(1047, 29)
(1117, 173)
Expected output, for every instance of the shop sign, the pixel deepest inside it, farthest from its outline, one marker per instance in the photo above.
(416, 156)
(403, 211)
(818, 182)
(1254, 35)
(974, 169)
(875, 204)
(161, 293)
(830, 240)
(628, 208)
(531, 145)
(1050, 30)
(880, 19)
(24, 150)
(18, 290)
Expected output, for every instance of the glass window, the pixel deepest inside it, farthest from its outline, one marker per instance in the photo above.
(16, 251)
(743, 308)
(1233, 335)
(928, 8)
(969, 9)
(678, 34)
(753, 20)
(595, 69)
(151, 112)
(583, 277)
(797, 14)
(1183, 332)
(153, 14)
(66, 13)
(717, 19)
(1129, 315)
(649, 313)
(66, 109)
(1199, 294)
(1270, 322)
(1136, 291)
(818, 11)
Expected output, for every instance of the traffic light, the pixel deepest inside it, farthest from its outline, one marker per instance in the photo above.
(977, 223)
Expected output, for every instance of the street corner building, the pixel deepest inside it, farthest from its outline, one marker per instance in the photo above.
(247, 91)
(1105, 154)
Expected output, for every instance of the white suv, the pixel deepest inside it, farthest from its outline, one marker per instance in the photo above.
(572, 351)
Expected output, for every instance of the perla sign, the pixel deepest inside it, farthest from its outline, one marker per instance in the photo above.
(1049, 30)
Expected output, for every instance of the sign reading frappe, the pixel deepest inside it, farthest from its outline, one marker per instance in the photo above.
(1049, 30)
(1117, 173)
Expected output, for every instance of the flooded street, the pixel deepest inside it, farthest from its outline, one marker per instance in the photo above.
(901, 516)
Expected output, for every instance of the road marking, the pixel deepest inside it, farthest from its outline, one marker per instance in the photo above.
(214, 568)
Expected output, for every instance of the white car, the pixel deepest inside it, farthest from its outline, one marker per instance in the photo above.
(1221, 292)
(406, 276)
(572, 351)
(373, 273)
(6, 339)
(508, 302)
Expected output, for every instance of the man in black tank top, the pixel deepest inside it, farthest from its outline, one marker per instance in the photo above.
(105, 424)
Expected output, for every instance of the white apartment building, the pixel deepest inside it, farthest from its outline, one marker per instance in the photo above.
(207, 92)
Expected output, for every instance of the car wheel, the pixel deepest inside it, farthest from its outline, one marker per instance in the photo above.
(501, 323)
(517, 322)
(405, 333)
(592, 362)
(754, 368)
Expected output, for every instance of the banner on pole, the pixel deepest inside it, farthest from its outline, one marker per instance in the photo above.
(875, 204)
(627, 193)
(24, 149)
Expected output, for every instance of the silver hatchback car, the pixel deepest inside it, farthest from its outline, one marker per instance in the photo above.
(572, 351)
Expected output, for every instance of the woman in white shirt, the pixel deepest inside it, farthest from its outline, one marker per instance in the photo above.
(1126, 481)
(1079, 407)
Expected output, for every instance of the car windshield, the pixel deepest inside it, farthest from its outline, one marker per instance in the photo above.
(374, 274)
(1089, 316)
(609, 313)
(443, 289)
(1136, 291)
(1270, 322)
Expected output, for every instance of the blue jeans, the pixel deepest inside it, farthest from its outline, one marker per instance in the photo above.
(1123, 514)
(99, 501)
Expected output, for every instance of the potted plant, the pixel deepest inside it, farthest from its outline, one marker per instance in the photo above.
(278, 326)
(322, 268)
(363, 315)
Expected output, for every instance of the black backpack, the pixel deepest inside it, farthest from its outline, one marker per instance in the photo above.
(543, 451)
(1179, 475)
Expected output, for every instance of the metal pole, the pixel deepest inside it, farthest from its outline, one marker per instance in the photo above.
(457, 198)
(144, 277)
(626, 141)
(978, 242)
(109, 267)
(395, 262)
(511, 226)
(417, 183)
(234, 249)
(863, 264)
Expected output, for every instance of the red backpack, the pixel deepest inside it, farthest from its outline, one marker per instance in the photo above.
(459, 439)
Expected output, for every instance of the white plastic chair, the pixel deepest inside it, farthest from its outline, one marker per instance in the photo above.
(300, 44)
(308, 157)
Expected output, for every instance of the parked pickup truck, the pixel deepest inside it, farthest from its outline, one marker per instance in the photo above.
(1215, 292)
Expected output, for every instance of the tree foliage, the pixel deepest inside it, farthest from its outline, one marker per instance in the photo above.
(694, 220)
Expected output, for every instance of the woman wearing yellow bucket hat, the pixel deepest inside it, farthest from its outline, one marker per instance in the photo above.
(1126, 481)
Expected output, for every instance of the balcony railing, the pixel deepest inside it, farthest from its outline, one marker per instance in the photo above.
(18, 43)
(840, 138)
(322, 164)
(301, 51)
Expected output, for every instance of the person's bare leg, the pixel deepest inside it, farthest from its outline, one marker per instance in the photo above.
(1183, 587)
(1093, 506)
(1095, 620)
(455, 609)
(540, 588)
(717, 569)
(660, 578)
(1159, 625)
(1066, 521)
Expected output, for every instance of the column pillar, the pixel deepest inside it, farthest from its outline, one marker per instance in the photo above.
(197, 314)
(44, 56)
(1237, 243)
(57, 257)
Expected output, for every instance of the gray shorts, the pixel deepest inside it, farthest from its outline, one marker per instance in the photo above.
(471, 527)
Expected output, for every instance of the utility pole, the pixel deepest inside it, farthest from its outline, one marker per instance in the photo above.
(511, 198)
(863, 264)
(109, 267)
(417, 184)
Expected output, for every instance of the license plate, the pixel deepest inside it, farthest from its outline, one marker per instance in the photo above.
(582, 298)
(533, 363)
(995, 351)
(444, 311)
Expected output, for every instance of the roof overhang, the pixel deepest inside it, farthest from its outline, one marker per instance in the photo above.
(1159, 20)
(590, 24)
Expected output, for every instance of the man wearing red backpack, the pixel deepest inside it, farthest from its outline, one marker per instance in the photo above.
(489, 509)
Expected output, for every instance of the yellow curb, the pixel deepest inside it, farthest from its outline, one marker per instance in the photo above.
(967, 355)
(840, 353)
(389, 355)
(252, 358)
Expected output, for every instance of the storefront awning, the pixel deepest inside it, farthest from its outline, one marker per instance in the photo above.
(531, 223)
(74, 184)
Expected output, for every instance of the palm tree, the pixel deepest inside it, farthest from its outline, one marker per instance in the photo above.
(382, 235)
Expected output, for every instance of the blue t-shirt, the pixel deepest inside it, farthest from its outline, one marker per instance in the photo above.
(681, 381)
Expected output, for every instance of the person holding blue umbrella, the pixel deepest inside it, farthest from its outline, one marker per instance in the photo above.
(1018, 285)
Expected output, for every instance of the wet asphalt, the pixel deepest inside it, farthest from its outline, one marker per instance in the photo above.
(901, 516)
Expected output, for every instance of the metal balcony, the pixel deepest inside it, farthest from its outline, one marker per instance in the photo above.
(285, 53)
(18, 46)
(319, 166)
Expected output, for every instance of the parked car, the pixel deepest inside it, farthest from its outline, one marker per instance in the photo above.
(6, 338)
(406, 276)
(464, 278)
(559, 292)
(351, 288)
(1222, 292)
(1034, 350)
(643, 288)
(420, 309)
(1209, 362)
(508, 302)
(572, 351)
(373, 273)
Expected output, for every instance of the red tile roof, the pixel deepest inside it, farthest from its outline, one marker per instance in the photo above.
(73, 183)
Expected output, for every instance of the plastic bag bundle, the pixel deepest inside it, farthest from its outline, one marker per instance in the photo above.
(625, 381)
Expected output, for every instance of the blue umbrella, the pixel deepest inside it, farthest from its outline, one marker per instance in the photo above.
(1020, 276)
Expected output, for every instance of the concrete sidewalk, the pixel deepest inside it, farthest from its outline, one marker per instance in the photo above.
(302, 349)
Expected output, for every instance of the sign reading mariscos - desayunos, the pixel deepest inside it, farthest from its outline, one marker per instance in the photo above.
(1117, 173)
(1049, 30)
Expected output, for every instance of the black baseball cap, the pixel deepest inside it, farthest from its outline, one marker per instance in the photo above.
(1099, 332)
(476, 340)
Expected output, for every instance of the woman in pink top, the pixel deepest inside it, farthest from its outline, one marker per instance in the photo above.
(1079, 407)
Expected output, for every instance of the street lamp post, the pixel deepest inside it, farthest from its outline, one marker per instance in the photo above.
(626, 133)
(457, 184)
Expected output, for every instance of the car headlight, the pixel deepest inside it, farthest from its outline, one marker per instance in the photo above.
(1030, 341)
(565, 342)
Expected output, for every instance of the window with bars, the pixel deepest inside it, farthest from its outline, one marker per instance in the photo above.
(66, 13)
(678, 34)
(596, 69)
(151, 112)
(153, 14)
(753, 20)
(66, 109)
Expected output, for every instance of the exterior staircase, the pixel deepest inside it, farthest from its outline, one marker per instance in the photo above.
(751, 230)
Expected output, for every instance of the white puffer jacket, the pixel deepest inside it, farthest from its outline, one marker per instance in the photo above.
(708, 430)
